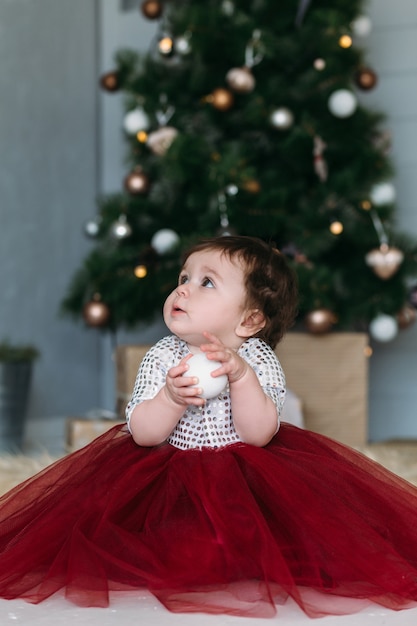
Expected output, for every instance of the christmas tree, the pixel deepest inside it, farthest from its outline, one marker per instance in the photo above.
(249, 117)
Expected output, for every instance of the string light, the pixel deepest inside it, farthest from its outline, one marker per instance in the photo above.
(366, 205)
(140, 271)
(166, 45)
(345, 41)
(336, 227)
(142, 136)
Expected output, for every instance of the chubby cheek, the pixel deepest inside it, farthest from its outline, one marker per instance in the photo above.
(167, 308)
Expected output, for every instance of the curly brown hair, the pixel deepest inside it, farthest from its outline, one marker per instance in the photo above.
(270, 283)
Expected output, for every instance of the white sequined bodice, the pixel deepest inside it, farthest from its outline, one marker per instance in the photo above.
(211, 425)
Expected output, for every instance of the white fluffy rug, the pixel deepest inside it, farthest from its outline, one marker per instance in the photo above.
(15, 468)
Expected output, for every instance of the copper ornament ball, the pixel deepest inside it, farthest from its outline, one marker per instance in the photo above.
(110, 81)
(366, 79)
(137, 182)
(320, 321)
(252, 186)
(152, 9)
(412, 296)
(96, 313)
(406, 317)
(222, 99)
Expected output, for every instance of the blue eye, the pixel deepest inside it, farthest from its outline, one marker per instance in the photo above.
(206, 282)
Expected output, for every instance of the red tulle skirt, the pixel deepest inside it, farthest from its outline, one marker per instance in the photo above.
(231, 530)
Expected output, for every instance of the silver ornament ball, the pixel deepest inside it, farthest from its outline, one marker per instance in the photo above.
(240, 79)
(135, 121)
(164, 240)
(342, 103)
(383, 328)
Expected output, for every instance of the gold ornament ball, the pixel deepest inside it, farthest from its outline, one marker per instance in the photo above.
(406, 317)
(96, 313)
(240, 79)
(110, 81)
(137, 182)
(366, 79)
(251, 186)
(222, 99)
(384, 261)
(152, 9)
(320, 321)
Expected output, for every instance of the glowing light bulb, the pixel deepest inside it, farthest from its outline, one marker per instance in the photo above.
(345, 41)
(140, 271)
(142, 136)
(336, 227)
(166, 45)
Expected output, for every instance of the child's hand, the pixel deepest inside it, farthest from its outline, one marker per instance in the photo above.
(178, 387)
(232, 364)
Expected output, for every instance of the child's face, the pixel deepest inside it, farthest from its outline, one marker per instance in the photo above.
(210, 297)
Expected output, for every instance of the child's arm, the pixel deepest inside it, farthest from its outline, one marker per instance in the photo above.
(255, 415)
(153, 420)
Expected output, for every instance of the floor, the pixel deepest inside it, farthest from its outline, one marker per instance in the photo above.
(142, 608)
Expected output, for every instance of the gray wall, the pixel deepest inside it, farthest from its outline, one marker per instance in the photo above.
(393, 54)
(61, 143)
(48, 186)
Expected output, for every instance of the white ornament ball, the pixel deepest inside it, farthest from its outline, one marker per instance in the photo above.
(135, 121)
(240, 79)
(383, 193)
(183, 45)
(201, 367)
(121, 229)
(164, 240)
(282, 118)
(342, 103)
(383, 328)
(361, 26)
(92, 228)
(228, 8)
(319, 64)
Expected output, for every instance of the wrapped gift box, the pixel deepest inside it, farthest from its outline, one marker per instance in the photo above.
(82, 430)
(328, 374)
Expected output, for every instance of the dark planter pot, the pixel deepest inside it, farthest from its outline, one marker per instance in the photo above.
(15, 381)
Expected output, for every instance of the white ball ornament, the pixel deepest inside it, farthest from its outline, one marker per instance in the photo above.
(121, 229)
(361, 26)
(382, 193)
(135, 121)
(164, 240)
(200, 366)
(282, 118)
(383, 328)
(342, 103)
(183, 45)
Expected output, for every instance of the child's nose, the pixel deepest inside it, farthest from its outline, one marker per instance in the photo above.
(182, 290)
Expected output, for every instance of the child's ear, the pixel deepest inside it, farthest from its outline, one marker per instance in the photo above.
(253, 320)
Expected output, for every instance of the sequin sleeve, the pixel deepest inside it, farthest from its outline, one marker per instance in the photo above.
(153, 369)
(266, 366)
